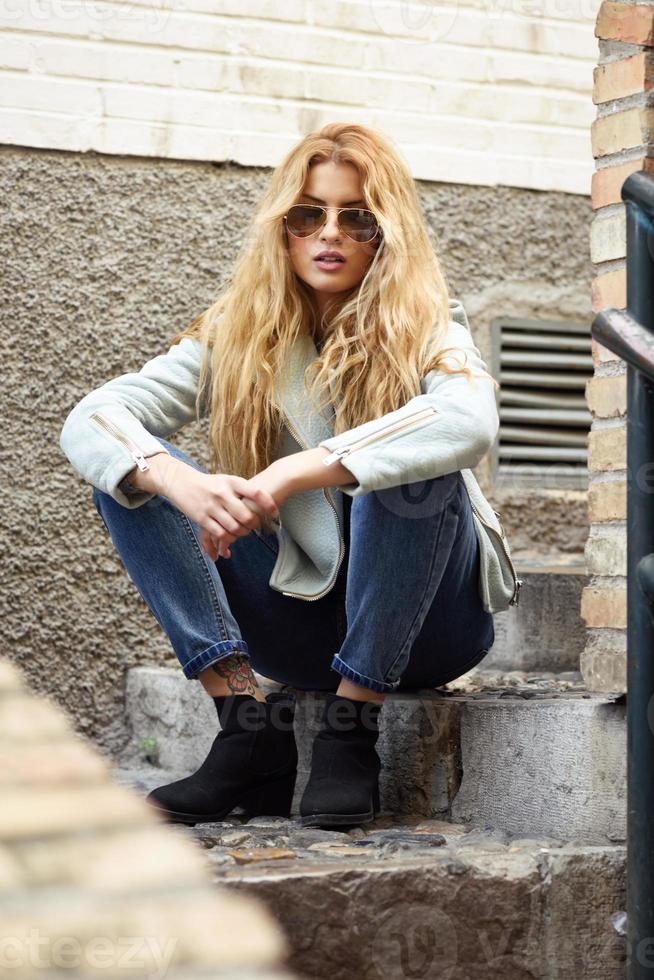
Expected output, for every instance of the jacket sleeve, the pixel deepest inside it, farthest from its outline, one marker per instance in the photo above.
(450, 426)
(111, 428)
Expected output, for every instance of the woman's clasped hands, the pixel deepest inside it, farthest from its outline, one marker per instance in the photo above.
(224, 506)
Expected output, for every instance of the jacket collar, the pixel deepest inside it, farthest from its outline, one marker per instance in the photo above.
(311, 425)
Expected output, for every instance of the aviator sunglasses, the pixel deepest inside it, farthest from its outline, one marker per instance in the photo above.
(359, 224)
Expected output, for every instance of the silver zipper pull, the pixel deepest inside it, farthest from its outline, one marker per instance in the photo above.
(141, 461)
(334, 456)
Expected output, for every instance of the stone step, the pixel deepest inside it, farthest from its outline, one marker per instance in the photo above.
(423, 898)
(528, 754)
(545, 630)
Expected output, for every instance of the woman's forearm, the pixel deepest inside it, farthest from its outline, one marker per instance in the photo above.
(306, 471)
(286, 476)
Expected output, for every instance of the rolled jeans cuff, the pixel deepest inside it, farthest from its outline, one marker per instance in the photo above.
(219, 651)
(358, 678)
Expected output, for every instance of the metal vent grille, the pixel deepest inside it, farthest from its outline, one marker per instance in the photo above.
(542, 367)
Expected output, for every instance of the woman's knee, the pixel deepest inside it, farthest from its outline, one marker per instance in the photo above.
(419, 500)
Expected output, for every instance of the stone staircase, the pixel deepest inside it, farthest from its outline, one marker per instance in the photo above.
(500, 849)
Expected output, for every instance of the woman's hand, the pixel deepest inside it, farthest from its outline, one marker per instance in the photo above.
(225, 507)
(288, 475)
(275, 480)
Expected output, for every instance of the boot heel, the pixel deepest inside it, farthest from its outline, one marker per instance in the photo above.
(271, 799)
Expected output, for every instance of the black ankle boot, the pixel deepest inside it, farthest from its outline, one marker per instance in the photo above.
(343, 786)
(252, 763)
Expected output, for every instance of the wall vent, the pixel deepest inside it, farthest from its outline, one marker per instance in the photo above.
(542, 367)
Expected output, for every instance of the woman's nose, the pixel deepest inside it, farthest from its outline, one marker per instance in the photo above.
(331, 228)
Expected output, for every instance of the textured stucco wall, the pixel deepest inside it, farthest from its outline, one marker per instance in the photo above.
(104, 260)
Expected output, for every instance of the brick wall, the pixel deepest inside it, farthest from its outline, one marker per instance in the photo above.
(474, 93)
(623, 142)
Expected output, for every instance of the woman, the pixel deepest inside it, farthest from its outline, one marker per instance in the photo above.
(331, 546)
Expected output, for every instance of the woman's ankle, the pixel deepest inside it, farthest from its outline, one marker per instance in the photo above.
(231, 675)
(348, 689)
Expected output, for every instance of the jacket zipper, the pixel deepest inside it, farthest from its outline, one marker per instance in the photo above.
(408, 421)
(297, 595)
(518, 582)
(120, 436)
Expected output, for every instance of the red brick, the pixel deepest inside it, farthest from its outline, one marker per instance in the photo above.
(610, 289)
(633, 23)
(622, 130)
(618, 79)
(607, 182)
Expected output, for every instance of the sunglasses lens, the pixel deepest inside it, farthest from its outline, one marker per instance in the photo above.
(359, 224)
(303, 220)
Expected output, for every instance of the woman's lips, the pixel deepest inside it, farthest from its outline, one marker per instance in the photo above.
(329, 264)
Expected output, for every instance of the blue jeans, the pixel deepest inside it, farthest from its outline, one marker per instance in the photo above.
(404, 612)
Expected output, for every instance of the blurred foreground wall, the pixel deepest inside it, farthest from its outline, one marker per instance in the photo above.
(92, 883)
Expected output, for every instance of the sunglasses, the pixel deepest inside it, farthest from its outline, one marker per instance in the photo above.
(359, 224)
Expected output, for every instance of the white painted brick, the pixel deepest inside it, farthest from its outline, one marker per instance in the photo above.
(491, 102)
(50, 94)
(300, 43)
(77, 59)
(406, 95)
(225, 111)
(456, 25)
(266, 79)
(293, 10)
(480, 91)
(548, 73)
(496, 169)
(15, 53)
(389, 13)
(456, 63)
(45, 130)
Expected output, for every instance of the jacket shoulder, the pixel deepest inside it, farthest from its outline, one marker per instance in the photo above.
(458, 313)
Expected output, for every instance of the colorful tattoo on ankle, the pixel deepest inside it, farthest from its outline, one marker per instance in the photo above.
(237, 673)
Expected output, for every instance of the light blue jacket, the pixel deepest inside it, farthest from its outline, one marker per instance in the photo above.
(450, 426)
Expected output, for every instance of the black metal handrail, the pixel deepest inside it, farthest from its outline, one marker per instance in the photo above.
(630, 334)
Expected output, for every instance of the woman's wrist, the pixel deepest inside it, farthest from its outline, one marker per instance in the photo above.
(274, 478)
(158, 474)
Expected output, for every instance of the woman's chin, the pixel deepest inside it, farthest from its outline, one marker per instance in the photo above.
(329, 282)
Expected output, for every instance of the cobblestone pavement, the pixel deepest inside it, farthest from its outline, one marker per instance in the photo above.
(271, 841)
